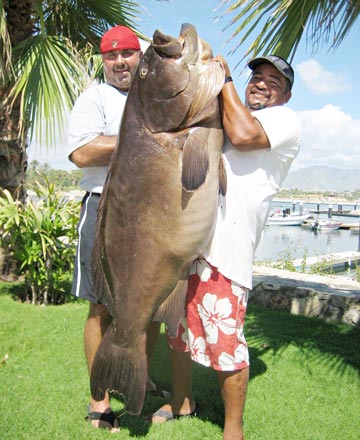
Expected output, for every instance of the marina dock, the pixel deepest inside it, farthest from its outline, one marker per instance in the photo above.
(336, 213)
(352, 226)
(336, 262)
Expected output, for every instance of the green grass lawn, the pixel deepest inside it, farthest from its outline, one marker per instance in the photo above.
(305, 382)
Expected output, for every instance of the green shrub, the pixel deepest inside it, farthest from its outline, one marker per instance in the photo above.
(286, 258)
(357, 273)
(39, 236)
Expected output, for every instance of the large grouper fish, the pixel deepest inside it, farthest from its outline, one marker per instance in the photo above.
(158, 208)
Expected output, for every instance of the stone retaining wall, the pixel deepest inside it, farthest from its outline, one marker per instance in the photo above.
(331, 298)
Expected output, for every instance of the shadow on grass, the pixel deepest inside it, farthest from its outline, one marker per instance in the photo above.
(332, 345)
(335, 345)
(16, 289)
(21, 293)
(205, 387)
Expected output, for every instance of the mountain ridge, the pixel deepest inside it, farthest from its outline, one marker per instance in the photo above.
(323, 178)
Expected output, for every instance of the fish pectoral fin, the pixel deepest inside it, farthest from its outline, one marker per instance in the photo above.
(172, 310)
(195, 160)
(222, 177)
(122, 370)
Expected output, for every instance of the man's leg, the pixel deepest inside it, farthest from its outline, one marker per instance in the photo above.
(95, 327)
(233, 386)
(182, 402)
(152, 335)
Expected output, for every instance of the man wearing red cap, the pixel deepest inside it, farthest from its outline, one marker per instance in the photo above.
(93, 128)
(262, 139)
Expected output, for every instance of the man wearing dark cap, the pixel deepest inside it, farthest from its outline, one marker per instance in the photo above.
(93, 128)
(262, 139)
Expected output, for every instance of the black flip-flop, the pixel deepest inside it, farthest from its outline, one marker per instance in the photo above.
(170, 416)
(105, 417)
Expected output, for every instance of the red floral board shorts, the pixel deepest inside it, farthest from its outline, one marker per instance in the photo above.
(213, 328)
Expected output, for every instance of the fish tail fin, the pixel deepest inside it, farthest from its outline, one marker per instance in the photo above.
(120, 370)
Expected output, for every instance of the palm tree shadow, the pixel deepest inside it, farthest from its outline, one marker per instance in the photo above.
(334, 346)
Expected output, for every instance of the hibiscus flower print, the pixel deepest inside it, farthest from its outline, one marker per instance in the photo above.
(229, 363)
(240, 292)
(242, 354)
(240, 335)
(226, 362)
(202, 268)
(215, 317)
(197, 349)
(183, 330)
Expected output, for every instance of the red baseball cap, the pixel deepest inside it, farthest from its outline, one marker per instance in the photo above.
(118, 38)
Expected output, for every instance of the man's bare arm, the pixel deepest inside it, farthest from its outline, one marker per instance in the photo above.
(96, 153)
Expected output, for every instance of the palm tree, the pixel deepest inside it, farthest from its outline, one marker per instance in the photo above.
(277, 26)
(43, 45)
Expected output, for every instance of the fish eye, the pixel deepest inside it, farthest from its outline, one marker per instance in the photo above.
(143, 72)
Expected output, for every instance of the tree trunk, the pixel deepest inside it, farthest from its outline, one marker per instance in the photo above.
(13, 157)
(13, 144)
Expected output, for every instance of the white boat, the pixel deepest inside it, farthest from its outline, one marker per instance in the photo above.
(286, 218)
(326, 225)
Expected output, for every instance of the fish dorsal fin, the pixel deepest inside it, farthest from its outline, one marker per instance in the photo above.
(195, 159)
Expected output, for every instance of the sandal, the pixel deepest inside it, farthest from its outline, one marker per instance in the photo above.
(168, 415)
(110, 418)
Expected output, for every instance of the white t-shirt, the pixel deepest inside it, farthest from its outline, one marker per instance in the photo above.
(253, 178)
(97, 111)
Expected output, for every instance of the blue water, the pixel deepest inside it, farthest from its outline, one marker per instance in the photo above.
(295, 241)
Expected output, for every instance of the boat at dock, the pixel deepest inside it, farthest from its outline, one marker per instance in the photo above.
(326, 225)
(287, 218)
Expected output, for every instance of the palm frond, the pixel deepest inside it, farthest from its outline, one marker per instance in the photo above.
(50, 64)
(83, 22)
(50, 73)
(278, 26)
(5, 46)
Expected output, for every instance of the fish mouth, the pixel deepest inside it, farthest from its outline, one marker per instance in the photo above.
(167, 46)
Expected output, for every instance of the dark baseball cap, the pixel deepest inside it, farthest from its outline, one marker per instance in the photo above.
(279, 63)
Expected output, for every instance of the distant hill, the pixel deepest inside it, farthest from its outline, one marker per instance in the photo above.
(323, 178)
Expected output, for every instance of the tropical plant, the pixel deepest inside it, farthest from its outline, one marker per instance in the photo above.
(39, 236)
(43, 48)
(65, 180)
(277, 26)
(285, 259)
